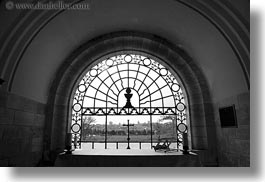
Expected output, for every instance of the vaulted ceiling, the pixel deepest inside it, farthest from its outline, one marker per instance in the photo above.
(34, 43)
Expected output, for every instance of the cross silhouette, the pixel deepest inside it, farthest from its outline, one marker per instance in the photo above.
(128, 139)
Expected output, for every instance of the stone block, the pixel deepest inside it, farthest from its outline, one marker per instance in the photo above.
(208, 158)
(244, 147)
(61, 100)
(197, 122)
(37, 144)
(222, 159)
(228, 160)
(199, 143)
(195, 97)
(2, 131)
(60, 108)
(6, 116)
(244, 100)
(219, 132)
(211, 135)
(243, 116)
(37, 132)
(176, 61)
(24, 118)
(163, 50)
(36, 148)
(233, 147)
(15, 132)
(21, 160)
(60, 119)
(190, 78)
(20, 103)
(197, 115)
(3, 99)
(10, 148)
(39, 120)
(4, 163)
(243, 132)
(9, 132)
(234, 159)
(228, 102)
(25, 145)
(239, 147)
(222, 144)
(229, 132)
(197, 108)
(244, 161)
(210, 108)
(25, 132)
(148, 45)
(210, 119)
(41, 108)
(199, 131)
(36, 158)
(136, 42)
(64, 88)
(222, 140)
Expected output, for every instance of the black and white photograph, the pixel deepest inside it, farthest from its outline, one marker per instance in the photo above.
(125, 83)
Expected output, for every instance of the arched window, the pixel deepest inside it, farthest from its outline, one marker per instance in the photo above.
(128, 87)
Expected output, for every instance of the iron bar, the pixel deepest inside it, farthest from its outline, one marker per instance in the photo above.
(151, 131)
(158, 71)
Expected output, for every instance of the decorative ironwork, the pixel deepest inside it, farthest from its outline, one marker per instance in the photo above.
(99, 111)
(128, 96)
(154, 89)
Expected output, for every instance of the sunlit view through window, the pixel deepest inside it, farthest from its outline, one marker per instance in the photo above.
(128, 89)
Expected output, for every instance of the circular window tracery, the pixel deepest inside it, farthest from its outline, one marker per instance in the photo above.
(159, 92)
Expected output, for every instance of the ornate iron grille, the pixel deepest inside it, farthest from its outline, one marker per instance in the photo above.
(149, 87)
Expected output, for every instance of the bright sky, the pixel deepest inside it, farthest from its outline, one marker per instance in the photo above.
(150, 82)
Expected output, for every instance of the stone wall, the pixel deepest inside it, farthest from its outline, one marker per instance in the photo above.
(234, 143)
(21, 130)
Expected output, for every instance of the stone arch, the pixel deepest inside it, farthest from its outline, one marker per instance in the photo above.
(201, 108)
(222, 15)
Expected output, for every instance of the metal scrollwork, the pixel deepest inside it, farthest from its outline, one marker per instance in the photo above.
(159, 92)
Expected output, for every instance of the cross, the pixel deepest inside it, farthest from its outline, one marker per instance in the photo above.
(128, 139)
